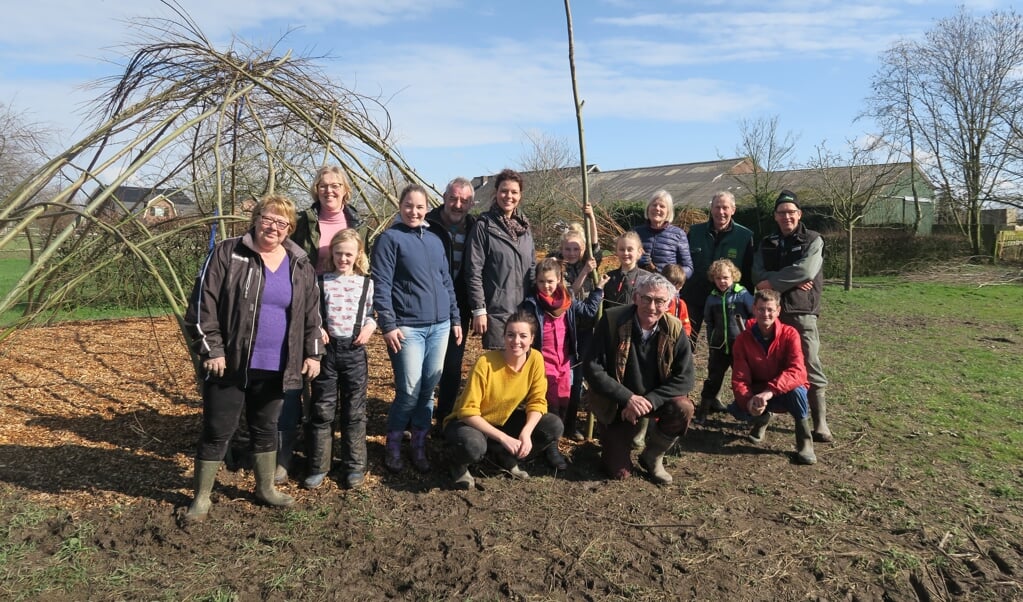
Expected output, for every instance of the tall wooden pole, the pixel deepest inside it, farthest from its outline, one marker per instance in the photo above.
(579, 124)
(587, 252)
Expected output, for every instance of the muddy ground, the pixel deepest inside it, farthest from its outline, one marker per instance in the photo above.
(99, 422)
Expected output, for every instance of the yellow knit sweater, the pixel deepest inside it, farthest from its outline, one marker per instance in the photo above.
(494, 390)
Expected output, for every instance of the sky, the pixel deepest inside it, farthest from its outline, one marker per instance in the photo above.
(468, 83)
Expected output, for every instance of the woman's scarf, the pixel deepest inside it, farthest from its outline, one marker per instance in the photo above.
(516, 225)
(556, 304)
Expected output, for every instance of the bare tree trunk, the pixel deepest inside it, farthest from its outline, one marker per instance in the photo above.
(847, 285)
(582, 168)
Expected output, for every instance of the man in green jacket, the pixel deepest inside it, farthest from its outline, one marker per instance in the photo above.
(717, 238)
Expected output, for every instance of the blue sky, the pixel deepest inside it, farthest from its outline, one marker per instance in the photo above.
(467, 82)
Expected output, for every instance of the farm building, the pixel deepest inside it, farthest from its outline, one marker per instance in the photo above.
(156, 204)
(693, 184)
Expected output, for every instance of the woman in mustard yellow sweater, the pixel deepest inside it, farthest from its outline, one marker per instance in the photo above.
(503, 408)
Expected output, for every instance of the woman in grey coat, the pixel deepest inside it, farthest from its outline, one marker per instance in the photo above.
(501, 259)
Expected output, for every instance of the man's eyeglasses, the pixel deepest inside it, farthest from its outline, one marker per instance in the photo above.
(276, 223)
(647, 300)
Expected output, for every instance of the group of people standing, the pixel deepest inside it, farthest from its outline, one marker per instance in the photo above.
(296, 299)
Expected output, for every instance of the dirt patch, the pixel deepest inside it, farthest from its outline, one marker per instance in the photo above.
(99, 422)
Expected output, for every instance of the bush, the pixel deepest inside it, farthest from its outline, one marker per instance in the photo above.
(879, 251)
(627, 214)
(126, 283)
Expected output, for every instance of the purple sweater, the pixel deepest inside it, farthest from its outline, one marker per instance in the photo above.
(269, 349)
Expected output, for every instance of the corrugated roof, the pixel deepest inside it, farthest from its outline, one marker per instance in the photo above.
(688, 183)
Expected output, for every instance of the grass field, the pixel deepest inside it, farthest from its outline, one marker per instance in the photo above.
(14, 262)
(939, 364)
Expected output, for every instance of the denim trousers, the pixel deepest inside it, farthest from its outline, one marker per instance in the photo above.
(794, 402)
(417, 369)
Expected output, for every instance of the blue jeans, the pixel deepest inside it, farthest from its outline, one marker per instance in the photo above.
(794, 402)
(417, 370)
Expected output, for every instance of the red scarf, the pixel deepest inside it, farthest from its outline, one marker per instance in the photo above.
(557, 304)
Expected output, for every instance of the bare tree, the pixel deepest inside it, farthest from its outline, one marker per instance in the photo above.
(770, 154)
(892, 105)
(222, 123)
(960, 91)
(22, 151)
(851, 184)
(22, 145)
(553, 186)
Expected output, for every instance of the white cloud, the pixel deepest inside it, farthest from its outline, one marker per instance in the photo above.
(733, 34)
(445, 96)
(35, 29)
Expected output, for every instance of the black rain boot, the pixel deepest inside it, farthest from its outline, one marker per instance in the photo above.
(555, 458)
(320, 441)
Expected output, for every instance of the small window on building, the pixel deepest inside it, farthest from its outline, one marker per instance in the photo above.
(159, 212)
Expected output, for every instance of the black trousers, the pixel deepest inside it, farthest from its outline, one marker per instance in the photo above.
(222, 406)
(342, 379)
(468, 445)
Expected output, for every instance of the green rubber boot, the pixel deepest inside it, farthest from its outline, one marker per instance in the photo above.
(652, 458)
(285, 451)
(205, 477)
(263, 466)
(759, 431)
(819, 411)
(639, 440)
(804, 443)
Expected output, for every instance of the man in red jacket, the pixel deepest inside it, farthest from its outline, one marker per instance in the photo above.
(769, 375)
